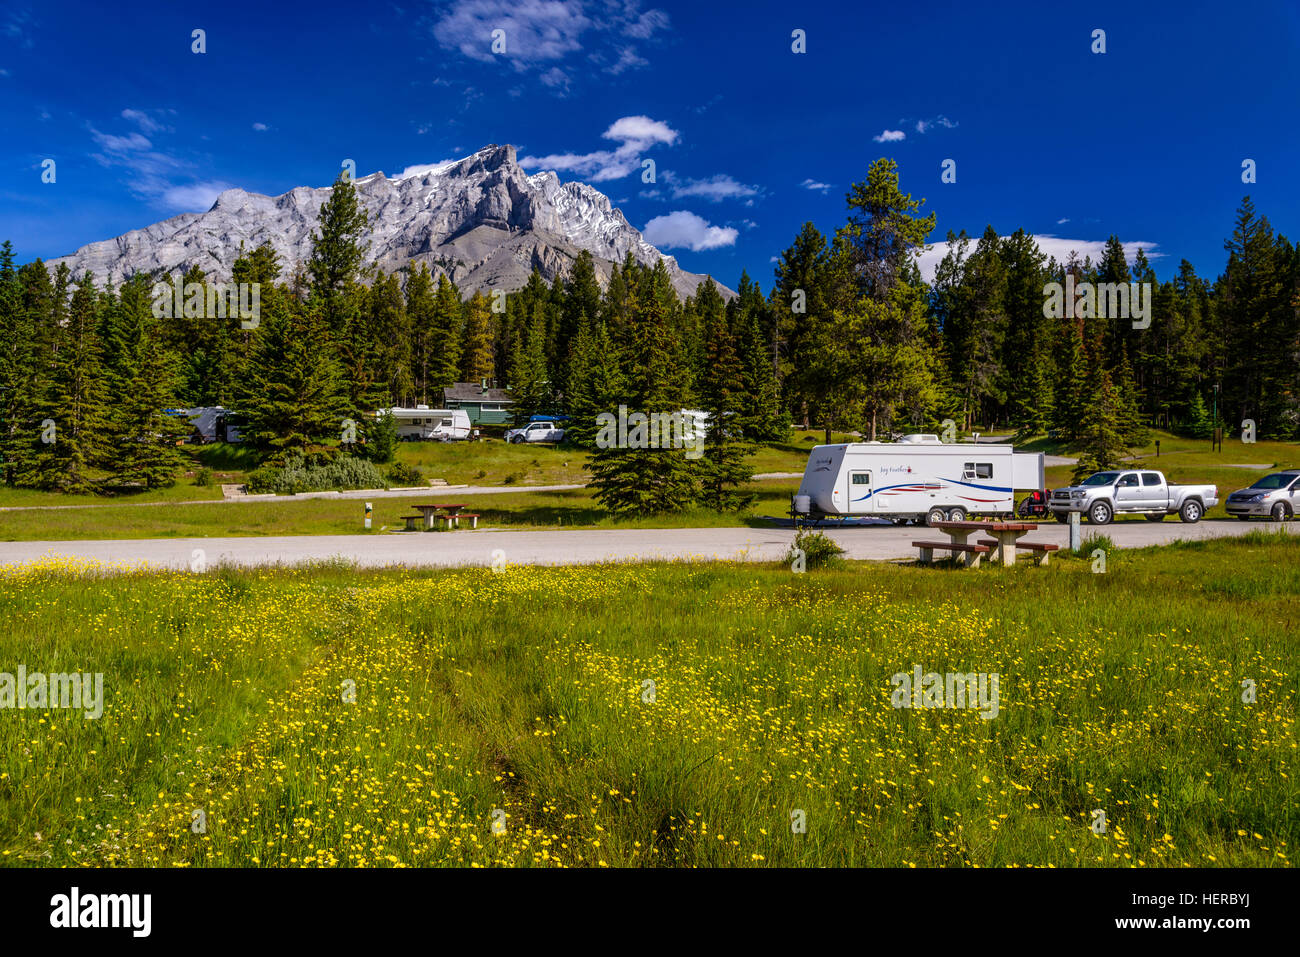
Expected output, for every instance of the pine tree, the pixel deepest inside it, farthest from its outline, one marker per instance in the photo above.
(67, 433)
(1132, 425)
(419, 313)
(476, 359)
(1071, 389)
(16, 358)
(530, 389)
(595, 382)
(293, 400)
(145, 434)
(580, 307)
(390, 328)
(640, 479)
(1199, 424)
(883, 229)
(725, 463)
(338, 254)
(448, 324)
(1102, 445)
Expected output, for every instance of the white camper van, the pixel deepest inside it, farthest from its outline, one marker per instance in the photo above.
(425, 424)
(917, 478)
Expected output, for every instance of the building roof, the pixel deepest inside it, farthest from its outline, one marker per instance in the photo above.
(474, 392)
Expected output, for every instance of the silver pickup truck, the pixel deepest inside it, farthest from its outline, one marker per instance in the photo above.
(1103, 495)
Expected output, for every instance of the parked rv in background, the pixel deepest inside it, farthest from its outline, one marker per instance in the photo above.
(423, 424)
(915, 479)
(210, 424)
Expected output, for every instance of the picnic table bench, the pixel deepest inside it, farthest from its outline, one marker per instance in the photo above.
(973, 553)
(434, 512)
(1042, 550)
(1005, 539)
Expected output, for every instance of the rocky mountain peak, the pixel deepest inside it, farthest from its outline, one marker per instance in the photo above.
(480, 220)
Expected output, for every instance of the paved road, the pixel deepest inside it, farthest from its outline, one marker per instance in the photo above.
(561, 547)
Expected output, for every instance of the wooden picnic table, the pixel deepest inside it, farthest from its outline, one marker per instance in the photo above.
(431, 510)
(1007, 535)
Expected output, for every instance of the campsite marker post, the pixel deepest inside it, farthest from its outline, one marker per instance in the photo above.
(1076, 538)
(369, 508)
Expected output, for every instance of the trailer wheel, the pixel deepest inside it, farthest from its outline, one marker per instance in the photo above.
(957, 515)
(935, 514)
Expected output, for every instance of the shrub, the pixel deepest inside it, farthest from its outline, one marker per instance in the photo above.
(819, 549)
(203, 477)
(403, 473)
(299, 475)
(1092, 542)
(381, 438)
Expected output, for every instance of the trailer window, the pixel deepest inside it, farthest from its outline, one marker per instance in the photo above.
(982, 470)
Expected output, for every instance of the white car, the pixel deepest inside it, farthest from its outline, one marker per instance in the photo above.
(536, 432)
(1276, 496)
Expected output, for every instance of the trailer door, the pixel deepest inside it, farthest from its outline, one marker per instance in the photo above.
(860, 491)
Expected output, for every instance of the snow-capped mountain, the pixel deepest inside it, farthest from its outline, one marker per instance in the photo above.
(481, 220)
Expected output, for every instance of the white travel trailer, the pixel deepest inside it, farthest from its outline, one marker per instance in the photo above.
(917, 478)
(425, 424)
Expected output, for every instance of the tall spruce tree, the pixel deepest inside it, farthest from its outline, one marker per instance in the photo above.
(293, 399)
(724, 394)
(67, 435)
(642, 475)
(476, 357)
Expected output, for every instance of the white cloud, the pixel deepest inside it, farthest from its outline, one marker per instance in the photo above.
(555, 77)
(142, 120)
(685, 230)
(1062, 221)
(813, 184)
(152, 173)
(543, 31)
(194, 197)
(535, 30)
(261, 127)
(890, 136)
(628, 59)
(644, 26)
(120, 144)
(1050, 246)
(424, 168)
(634, 134)
(924, 126)
(715, 188)
(4, 72)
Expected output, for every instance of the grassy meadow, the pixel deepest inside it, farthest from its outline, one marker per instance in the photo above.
(660, 715)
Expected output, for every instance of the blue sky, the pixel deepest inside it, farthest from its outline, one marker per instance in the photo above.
(749, 138)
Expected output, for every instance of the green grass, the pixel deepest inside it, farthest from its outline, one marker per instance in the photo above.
(575, 508)
(660, 715)
(185, 510)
